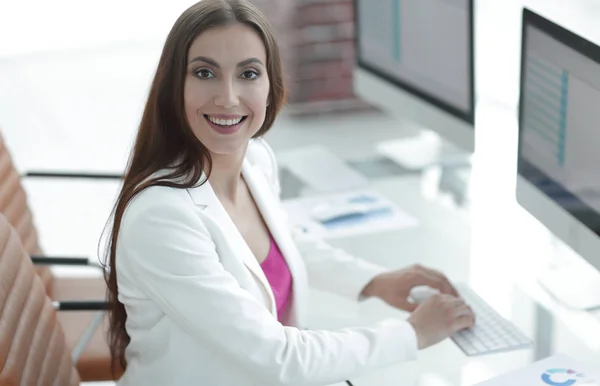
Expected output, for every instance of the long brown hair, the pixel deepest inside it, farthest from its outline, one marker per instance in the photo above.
(165, 139)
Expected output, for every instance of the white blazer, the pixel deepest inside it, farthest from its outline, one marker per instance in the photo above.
(200, 310)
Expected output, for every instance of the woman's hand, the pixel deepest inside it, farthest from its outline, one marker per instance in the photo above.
(439, 317)
(394, 287)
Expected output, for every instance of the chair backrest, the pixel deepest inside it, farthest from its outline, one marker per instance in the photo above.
(13, 205)
(32, 343)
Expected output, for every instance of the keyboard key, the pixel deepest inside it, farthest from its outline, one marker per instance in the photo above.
(479, 346)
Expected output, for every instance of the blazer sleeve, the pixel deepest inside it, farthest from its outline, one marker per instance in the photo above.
(165, 249)
(329, 269)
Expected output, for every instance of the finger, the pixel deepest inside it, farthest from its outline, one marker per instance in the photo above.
(447, 287)
(425, 278)
(403, 304)
(453, 302)
(463, 310)
(407, 306)
(464, 322)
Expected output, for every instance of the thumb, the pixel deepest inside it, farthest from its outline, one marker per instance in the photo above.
(405, 305)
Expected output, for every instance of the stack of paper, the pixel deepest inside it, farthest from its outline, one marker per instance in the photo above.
(376, 214)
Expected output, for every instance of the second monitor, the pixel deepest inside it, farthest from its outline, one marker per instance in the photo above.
(415, 61)
(559, 149)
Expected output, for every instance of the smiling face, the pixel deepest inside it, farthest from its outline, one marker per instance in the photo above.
(226, 88)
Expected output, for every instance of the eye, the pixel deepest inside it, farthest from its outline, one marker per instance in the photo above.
(204, 73)
(250, 74)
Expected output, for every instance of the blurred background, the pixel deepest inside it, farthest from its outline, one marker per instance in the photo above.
(74, 76)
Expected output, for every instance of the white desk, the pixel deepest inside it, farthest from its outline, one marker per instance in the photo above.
(443, 241)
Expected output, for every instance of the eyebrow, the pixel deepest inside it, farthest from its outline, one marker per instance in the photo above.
(216, 65)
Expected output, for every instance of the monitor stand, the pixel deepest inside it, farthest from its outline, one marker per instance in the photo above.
(444, 166)
(571, 280)
(424, 150)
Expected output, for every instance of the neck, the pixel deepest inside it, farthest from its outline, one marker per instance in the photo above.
(226, 175)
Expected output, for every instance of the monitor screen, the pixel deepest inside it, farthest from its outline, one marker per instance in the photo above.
(422, 46)
(559, 117)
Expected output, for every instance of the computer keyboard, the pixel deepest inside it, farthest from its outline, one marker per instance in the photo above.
(491, 333)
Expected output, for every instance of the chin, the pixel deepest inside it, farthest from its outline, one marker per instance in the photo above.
(224, 149)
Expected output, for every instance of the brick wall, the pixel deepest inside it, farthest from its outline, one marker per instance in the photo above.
(281, 14)
(317, 40)
(324, 43)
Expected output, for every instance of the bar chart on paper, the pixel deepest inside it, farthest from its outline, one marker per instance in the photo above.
(545, 104)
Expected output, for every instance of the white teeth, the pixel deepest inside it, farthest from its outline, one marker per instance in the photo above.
(225, 122)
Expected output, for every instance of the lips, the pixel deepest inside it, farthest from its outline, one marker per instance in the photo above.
(225, 129)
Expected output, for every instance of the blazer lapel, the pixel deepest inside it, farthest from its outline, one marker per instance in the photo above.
(267, 203)
(205, 197)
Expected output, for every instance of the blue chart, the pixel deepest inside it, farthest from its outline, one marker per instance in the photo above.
(546, 95)
(572, 375)
(396, 29)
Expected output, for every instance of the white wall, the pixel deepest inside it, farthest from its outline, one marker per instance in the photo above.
(498, 28)
(32, 26)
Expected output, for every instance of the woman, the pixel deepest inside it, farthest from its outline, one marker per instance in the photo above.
(206, 281)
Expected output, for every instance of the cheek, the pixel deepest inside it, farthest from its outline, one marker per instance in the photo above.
(193, 99)
(188, 99)
(190, 112)
(196, 122)
(257, 101)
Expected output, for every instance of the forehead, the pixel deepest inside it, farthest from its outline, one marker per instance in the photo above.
(229, 44)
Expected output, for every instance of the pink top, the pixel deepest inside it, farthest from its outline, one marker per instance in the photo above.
(279, 277)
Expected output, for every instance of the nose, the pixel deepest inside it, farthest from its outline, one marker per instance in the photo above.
(227, 95)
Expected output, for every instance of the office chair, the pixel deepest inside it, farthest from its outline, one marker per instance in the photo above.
(94, 361)
(33, 350)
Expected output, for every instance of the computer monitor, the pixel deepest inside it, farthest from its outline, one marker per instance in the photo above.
(559, 138)
(415, 61)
